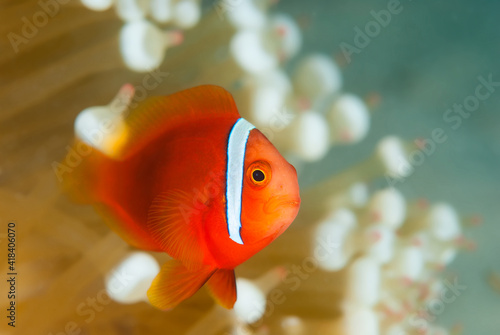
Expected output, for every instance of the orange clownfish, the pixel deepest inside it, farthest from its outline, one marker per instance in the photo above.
(190, 177)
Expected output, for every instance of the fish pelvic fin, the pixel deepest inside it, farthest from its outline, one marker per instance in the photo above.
(175, 283)
(222, 287)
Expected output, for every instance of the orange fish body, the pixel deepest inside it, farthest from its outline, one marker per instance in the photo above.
(197, 181)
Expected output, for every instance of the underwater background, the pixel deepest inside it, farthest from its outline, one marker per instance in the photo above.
(422, 63)
(409, 73)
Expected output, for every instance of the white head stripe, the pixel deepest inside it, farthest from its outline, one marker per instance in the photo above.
(236, 147)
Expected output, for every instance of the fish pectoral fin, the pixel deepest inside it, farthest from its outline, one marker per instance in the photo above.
(175, 283)
(173, 225)
(222, 287)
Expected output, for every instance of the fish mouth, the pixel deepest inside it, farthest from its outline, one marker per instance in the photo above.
(278, 202)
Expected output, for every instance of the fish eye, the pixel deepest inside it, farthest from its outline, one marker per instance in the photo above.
(259, 173)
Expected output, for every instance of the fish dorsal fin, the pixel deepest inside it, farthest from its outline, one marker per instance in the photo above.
(222, 287)
(157, 114)
(176, 283)
(172, 223)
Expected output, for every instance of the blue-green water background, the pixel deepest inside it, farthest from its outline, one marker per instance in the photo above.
(428, 58)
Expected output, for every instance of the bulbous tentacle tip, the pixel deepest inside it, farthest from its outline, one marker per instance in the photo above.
(174, 37)
(123, 98)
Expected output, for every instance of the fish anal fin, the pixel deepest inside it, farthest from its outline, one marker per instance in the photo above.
(173, 222)
(222, 287)
(175, 283)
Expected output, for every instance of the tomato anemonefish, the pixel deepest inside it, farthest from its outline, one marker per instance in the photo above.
(190, 177)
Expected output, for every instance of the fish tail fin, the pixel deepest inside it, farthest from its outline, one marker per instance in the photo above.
(85, 183)
(222, 287)
(175, 283)
(93, 151)
(100, 134)
(78, 172)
